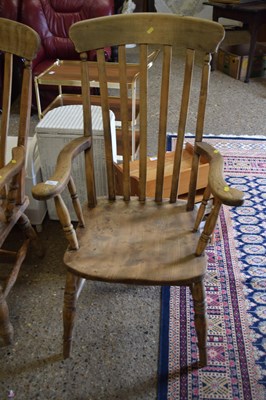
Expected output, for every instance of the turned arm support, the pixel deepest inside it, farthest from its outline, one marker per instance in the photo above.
(61, 176)
(13, 167)
(222, 193)
(218, 187)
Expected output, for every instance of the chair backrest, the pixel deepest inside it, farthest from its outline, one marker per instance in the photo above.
(198, 38)
(8, 9)
(22, 41)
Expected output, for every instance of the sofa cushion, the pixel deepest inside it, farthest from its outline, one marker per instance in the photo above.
(53, 18)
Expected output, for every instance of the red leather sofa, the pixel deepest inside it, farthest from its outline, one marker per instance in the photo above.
(9, 9)
(52, 20)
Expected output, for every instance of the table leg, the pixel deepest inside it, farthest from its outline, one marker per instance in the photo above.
(253, 28)
(38, 100)
(215, 17)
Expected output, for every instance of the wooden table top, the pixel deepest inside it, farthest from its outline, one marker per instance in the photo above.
(68, 72)
(252, 7)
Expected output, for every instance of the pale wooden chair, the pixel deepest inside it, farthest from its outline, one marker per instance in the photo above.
(20, 40)
(139, 240)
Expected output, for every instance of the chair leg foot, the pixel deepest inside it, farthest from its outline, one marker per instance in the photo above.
(7, 336)
(203, 359)
(6, 329)
(198, 294)
(66, 348)
(69, 311)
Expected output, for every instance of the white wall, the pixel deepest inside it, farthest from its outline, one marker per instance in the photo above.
(206, 13)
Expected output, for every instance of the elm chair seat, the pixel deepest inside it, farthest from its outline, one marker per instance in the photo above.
(133, 241)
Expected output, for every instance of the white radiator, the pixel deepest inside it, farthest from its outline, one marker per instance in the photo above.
(58, 127)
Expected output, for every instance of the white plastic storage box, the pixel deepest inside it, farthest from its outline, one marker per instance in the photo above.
(58, 127)
(36, 210)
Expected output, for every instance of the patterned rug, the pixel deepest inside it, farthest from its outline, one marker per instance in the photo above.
(236, 297)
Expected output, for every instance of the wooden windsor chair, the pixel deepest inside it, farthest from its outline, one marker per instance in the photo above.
(134, 239)
(16, 40)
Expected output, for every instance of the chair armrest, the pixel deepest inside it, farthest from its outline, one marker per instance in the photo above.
(58, 181)
(13, 167)
(219, 188)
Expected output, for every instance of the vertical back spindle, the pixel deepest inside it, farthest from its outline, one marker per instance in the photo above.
(199, 129)
(106, 123)
(87, 122)
(8, 67)
(182, 123)
(24, 121)
(143, 122)
(167, 56)
(124, 119)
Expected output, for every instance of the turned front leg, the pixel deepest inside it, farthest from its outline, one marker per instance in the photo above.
(73, 288)
(6, 329)
(198, 295)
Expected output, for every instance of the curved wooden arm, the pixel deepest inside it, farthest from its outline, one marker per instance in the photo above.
(13, 167)
(58, 181)
(219, 188)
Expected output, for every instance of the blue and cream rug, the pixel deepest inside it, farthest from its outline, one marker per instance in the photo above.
(236, 295)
